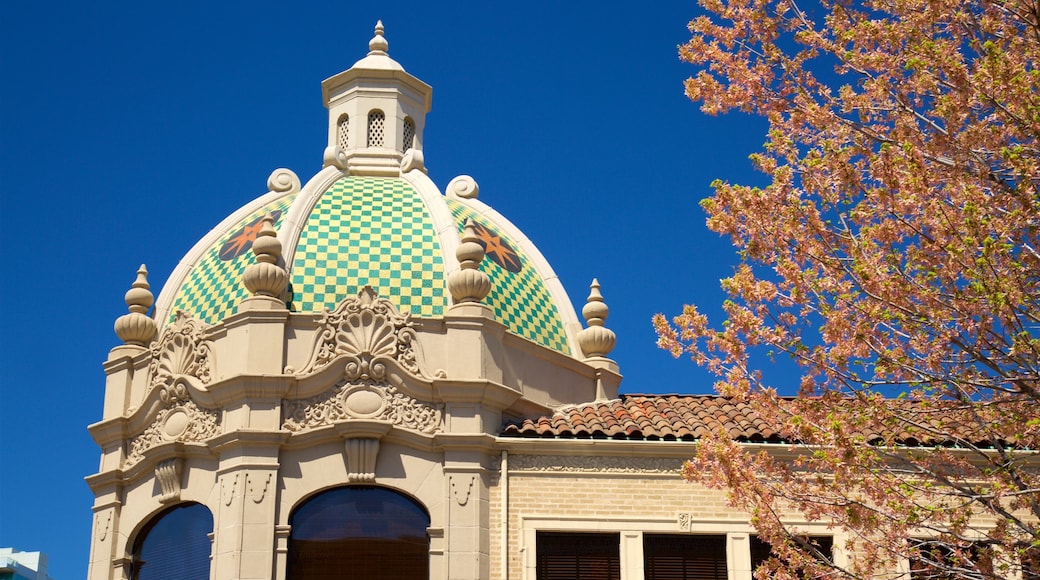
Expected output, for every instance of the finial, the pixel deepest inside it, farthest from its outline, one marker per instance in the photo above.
(265, 277)
(596, 340)
(136, 328)
(469, 284)
(378, 44)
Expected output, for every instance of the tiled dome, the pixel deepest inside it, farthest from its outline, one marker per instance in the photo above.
(372, 217)
(396, 234)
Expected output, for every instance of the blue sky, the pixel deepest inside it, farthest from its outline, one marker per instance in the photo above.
(129, 129)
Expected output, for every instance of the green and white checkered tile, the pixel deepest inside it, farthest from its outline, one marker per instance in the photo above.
(373, 231)
(213, 287)
(518, 294)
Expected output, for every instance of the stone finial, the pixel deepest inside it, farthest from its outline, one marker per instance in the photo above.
(596, 340)
(137, 328)
(469, 284)
(265, 277)
(378, 44)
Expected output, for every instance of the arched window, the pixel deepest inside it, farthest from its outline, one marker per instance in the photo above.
(409, 135)
(175, 545)
(343, 132)
(363, 532)
(376, 120)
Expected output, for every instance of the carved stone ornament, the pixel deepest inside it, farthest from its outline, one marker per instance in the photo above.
(684, 521)
(412, 160)
(462, 490)
(228, 489)
(181, 351)
(362, 401)
(180, 419)
(335, 157)
(369, 331)
(595, 464)
(257, 485)
(168, 473)
(102, 522)
(361, 459)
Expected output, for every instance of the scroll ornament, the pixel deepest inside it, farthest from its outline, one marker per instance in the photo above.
(362, 401)
(181, 351)
(180, 420)
(369, 331)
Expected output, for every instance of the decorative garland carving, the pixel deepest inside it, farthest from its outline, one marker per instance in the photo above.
(366, 400)
(594, 464)
(257, 494)
(181, 351)
(227, 492)
(462, 497)
(179, 420)
(102, 525)
(369, 330)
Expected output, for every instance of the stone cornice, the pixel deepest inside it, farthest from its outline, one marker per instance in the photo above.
(465, 442)
(340, 431)
(596, 465)
(596, 447)
(361, 428)
(109, 431)
(494, 395)
(246, 317)
(125, 357)
(247, 438)
(106, 479)
(145, 466)
(249, 387)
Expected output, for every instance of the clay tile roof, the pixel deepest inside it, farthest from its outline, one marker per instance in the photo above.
(653, 417)
(689, 417)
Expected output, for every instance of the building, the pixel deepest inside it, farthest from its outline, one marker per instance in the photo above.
(19, 565)
(364, 373)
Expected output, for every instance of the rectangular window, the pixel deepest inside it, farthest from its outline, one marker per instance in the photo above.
(578, 556)
(761, 551)
(684, 557)
(942, 561)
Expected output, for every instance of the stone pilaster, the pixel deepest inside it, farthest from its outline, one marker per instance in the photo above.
(245, 517)
(468, 537)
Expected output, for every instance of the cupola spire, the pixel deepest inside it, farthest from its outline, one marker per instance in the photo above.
(377, 112)
(378, 44)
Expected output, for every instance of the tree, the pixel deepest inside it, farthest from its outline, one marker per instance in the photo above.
(894, 256)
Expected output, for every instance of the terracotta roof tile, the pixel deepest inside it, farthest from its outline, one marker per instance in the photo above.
(666, 417)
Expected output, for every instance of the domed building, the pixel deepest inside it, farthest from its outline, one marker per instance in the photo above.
(365, 375)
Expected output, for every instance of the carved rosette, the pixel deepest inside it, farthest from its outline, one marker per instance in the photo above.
(181, 351)
(179, 420)
(362, 401)
(370, 331)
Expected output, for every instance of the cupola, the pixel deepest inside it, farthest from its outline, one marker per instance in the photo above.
(373, 217)
(377, 112)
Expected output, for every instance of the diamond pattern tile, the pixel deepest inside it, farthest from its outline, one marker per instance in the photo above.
(213, 287)
(518, 295)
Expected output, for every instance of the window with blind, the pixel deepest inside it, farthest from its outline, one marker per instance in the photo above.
(761, 551)
(578, 556)
(941, 561)
(175, 545)
(359, 532)
(684, 557)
